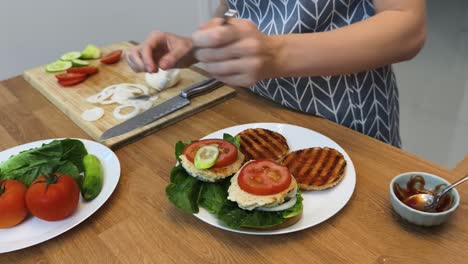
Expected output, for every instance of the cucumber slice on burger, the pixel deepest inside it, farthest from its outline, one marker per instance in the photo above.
(206, 157)
(70, 56)
(58, 66)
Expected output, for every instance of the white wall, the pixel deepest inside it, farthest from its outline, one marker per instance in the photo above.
(38, 32)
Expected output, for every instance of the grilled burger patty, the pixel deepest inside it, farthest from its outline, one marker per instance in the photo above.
(316, 168)
(260, 143)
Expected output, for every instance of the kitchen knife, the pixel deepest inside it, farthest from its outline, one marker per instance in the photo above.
(175, 103)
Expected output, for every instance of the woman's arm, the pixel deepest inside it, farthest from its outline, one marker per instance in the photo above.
(396, 33)
(239, 54)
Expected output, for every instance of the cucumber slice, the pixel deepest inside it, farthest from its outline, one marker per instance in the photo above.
(91, 52)
(206, 157)
(58, 66)
(80, 63)
(70, 56)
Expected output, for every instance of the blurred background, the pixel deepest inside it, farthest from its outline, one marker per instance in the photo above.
(433, 86)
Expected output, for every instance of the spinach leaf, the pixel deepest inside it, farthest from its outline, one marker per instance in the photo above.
(28, 174)
(184, 190)
(296, 209)
(213, 196)
(68, 168)
(32, 157)
(74, 151)
(262, 219)
(179, 149)
(231, 215)
(64, 156)
(234, 217)
(233, 140)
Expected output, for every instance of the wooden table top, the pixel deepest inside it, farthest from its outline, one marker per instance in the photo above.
(138, 224)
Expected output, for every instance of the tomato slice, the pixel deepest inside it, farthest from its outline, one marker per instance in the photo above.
(227, 151)
(70, 76)
(88, 70)
(71, 82)
(264, 177)
(112, 57)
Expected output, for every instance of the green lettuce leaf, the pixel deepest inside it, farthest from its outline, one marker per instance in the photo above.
(233, 140)
(68, 168)
(234, 217)
(74, 151)
(296, 209)
(184, 190)
(213, 196)
(179, 149)
(64, 156)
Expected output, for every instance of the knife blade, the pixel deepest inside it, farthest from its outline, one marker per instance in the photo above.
(175, 103)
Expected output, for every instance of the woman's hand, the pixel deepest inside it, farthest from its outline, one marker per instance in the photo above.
(236, 53)
(160, 50)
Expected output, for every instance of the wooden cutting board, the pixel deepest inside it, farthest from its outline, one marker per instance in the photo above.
(72, 100)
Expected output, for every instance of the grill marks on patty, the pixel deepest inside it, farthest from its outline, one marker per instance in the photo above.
(262, 143)
(313, 168)
(316, 168)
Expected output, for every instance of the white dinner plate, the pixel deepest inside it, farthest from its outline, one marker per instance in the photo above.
(33, 230)
(318, 205)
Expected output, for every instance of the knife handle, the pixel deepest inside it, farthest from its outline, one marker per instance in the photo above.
(205, 87)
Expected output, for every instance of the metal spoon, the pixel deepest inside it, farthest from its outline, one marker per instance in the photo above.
(428, 202)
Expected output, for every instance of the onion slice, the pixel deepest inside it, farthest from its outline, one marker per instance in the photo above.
(117, 111)
(92, 114)
(121, 94)
(283, 206)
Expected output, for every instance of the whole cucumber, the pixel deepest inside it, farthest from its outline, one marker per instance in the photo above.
(93, 178)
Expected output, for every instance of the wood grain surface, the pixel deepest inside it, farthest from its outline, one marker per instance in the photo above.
(462, 167)
(72, 100)
(139, 225)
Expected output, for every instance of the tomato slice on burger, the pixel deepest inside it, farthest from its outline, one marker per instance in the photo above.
(227, 151)
(112, 57)
(264, 177)
(88, 70)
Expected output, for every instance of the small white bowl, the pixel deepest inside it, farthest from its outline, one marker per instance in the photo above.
(419, 217)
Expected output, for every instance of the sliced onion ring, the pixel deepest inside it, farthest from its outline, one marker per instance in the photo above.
(92, 114)
(121, 116)
(283, 206)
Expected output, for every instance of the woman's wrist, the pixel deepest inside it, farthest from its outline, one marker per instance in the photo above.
(278, 53)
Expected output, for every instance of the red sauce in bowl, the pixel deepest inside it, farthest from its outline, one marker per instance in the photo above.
(416, 186)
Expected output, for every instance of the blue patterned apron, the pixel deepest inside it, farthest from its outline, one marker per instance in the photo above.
(366, 101)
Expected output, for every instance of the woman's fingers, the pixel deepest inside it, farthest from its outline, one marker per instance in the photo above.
(215, 36)
(248, 65)
(133, 58)
(237, 79)
(242, 48)
(224, 68)
(212, 23)
(148, 48)
(177, 56)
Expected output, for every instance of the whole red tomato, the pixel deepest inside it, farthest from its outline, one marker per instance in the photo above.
(12, 205)
(53, 197)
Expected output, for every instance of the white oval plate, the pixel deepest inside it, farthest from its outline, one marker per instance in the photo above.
(34, 230)
(318, 205)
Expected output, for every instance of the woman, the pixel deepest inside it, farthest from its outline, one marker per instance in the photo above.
(329, 58)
